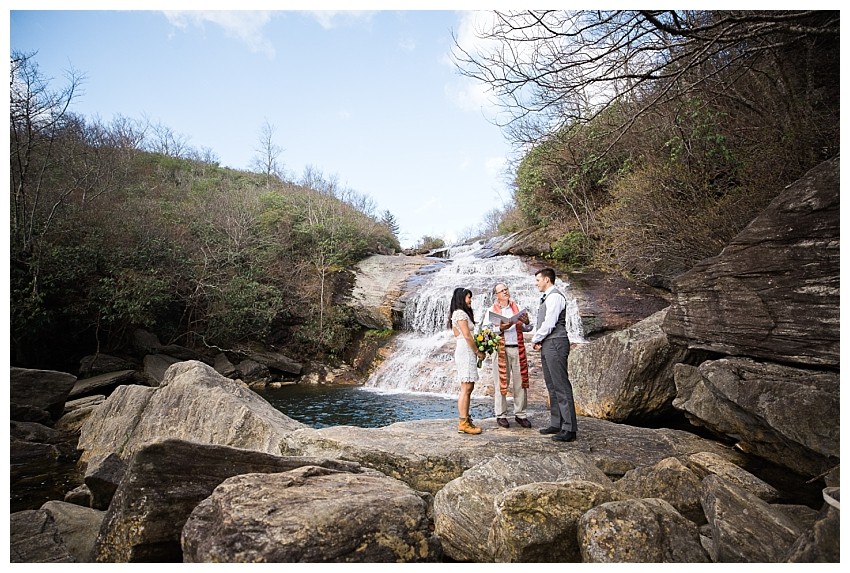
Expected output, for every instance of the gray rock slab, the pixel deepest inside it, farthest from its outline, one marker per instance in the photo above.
(312, 515)
(744, 528)
(427, 454)
(78, 527)
(773, 292)
(34, 538)
(788, 415)
(40, 389)
(88, 385)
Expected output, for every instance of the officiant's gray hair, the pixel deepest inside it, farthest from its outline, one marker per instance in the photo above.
(496, 287)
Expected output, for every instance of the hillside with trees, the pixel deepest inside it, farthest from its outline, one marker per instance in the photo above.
(650, 138)
(647, 140)
(122, 225)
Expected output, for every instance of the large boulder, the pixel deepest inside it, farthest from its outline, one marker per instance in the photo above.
(538, 522)
(310, 515)
(790, 416)
(464, 509)
(744, 528)
(670, 480)
(193, 402)
(38, 395)
(164, 482)
(34, 538)
(639, 531)
(627, 375)
(78, 527)
(773, 292)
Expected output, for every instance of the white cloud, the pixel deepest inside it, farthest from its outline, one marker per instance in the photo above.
(328, 19)
(466, 93)
(495, 166)
(407, 43)
(470, 95)
(244, 26)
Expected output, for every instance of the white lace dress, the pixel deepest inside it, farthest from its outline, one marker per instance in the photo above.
(465, 359)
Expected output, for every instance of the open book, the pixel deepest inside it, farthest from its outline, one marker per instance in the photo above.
(496, 318)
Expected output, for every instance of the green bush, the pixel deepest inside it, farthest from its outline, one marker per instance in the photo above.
(574, 249)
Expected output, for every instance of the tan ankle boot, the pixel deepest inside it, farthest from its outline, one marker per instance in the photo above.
(464, 426)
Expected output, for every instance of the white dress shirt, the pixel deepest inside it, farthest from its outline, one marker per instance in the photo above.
(554, 306)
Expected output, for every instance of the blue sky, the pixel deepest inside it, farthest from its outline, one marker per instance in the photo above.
(369, 97)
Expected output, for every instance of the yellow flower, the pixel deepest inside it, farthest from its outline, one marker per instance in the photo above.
(480, 338)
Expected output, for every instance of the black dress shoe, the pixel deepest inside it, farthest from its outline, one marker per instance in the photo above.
(550, 430)
(565, 437)
(523, 422)
(503, 422)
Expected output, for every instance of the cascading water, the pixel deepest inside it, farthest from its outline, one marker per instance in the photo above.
(422, 359)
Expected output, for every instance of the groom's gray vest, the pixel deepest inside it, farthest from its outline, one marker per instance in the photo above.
(560, 330)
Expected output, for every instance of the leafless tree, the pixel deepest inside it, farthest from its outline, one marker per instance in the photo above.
(164, 140)
(266, 161)
(553, 69)
(38, 115)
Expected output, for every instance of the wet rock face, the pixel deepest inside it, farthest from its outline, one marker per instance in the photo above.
(609, 303)
(379, 284)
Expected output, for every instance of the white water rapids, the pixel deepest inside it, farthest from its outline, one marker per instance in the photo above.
(422, 355)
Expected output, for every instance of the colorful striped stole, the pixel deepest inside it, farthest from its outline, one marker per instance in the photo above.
(503, 357)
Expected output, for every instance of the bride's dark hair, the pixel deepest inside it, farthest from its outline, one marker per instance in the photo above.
(459, 302)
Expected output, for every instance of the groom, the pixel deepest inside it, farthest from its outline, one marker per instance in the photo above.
(551, 339)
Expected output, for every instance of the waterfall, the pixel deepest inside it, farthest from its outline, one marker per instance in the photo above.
(423, 356)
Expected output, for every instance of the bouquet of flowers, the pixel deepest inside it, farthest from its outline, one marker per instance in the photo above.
(487, 341)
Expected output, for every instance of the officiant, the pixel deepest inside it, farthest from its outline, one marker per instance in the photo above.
(510, 368)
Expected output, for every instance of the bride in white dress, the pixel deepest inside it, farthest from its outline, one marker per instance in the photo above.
(462, 321)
